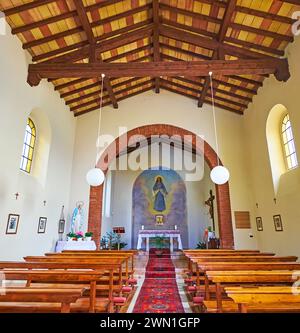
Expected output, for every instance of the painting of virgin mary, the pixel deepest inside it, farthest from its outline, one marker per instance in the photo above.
(159, 192)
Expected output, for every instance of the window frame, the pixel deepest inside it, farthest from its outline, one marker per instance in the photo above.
(285, 144)
(28, 148)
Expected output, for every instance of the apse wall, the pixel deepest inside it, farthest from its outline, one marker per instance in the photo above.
(55, 136)
(288, 195)
(168, 108)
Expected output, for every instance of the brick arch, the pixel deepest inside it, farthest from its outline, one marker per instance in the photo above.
(120, 144)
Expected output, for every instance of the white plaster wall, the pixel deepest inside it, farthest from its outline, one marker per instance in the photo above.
(17, 101)
(288, 196)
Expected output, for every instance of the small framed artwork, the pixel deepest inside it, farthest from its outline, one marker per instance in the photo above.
(259, 224)
(12, 223)
(42, 225)
(61, 226)
(159, 219)
(277, 223)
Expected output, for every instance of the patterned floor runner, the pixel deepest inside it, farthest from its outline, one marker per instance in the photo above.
(159, 292)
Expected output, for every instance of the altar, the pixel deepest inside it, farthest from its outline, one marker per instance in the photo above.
(75, 245)
(147, 234)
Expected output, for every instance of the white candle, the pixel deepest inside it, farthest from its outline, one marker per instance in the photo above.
(175, 227)
(142, 227)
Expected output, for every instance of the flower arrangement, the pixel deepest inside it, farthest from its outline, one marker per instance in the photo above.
(75, 236)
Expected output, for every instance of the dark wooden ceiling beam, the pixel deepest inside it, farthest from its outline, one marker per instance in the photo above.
(196, 98)
(221, 81)
(155, 38)
(189, 28)
(204, 57)
(199, 85)
(128, 53)
(97, 92)
(102, 4)
(229, 10)
(261, 32)
(119, 99)
(121, 91)
(265, 15)
(82, 14)
(121, 15)
(262, 48)
(104, 45)
(208, 44)
(68, 84)
(41, 23)
(278, 67)
(185, 12)
(196, 91)
(50, 38)
(26, 6)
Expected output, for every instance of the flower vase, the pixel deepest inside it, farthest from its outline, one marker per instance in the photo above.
(88, 239)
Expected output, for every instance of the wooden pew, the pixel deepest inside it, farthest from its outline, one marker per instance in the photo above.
(118, 262)
(223, 279)
(245, 259)
(69, 278)
(128, 257)
(69, 267)
(15, 299)
(265, 299)
(203, 253)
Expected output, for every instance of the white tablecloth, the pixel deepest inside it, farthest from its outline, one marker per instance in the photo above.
(75, 245)
(147, 234)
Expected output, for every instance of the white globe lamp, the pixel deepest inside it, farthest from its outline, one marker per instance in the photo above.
(219, 175)
(95, 177)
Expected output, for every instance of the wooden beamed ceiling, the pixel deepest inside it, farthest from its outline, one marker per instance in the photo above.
(154, 44)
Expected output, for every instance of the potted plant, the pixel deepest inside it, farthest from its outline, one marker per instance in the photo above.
(88, 236)
(159, 242)
(71, 236)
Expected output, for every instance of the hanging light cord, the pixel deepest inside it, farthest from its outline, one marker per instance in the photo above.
(214, 115)
(100, 115)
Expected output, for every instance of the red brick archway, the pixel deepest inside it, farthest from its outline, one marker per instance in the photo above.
(120, 145)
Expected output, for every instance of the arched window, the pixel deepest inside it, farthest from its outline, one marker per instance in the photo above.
(288, 143)
(28, 146)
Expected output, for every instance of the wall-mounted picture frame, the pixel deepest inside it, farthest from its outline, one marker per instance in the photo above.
(259, 224)
(61, 226)
(42, 225)
(277, 223)
(12, 224)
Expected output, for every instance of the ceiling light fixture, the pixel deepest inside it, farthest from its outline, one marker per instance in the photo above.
(219, 174)
(95, 176)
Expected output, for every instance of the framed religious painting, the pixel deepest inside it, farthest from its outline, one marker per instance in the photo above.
(12, 224)
(277, 222)
(61, 226)
(42, 225)
(259, 224)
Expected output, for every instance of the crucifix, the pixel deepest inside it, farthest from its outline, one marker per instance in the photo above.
(210, 203)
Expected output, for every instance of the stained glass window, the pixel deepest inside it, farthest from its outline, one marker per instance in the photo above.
(28, 146)
(289, 143)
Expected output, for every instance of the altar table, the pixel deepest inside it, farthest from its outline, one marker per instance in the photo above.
(75, 245)
(147, 234)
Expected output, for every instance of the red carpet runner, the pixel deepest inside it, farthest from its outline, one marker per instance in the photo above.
(159, 292)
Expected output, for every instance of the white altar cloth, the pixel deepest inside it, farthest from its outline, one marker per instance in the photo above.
(75, 245)
(147, 234)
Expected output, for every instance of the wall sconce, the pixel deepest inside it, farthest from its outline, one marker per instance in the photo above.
(275, 200)
(17, 195)
(44, 202)
(256, 205)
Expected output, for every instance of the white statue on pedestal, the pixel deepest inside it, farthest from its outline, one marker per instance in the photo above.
(77, 218)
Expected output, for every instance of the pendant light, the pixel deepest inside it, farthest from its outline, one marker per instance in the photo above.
(95, 176)
(219, 174)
